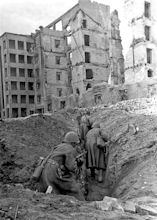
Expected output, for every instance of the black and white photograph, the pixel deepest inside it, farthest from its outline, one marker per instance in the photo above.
(78, 110)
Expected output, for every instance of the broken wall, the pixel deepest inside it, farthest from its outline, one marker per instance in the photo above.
(104, 94)
(55, 85)
(116, 56)
(98, 50)
(142, 89)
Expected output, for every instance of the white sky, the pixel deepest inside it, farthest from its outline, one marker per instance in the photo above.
(24, 16)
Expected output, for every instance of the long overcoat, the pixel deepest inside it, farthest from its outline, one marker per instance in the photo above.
(95, 155)
(59, 172)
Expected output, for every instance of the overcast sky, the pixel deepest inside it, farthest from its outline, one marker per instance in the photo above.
(24, 16)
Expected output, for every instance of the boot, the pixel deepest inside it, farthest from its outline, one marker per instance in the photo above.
(100, 176)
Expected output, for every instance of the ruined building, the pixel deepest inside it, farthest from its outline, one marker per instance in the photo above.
(71, 55)
(141, 59)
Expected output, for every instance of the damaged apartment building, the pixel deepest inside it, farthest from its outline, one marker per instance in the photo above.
(141, 59)
(69, 57)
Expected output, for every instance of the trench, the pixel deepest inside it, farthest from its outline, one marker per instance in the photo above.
(15, 167)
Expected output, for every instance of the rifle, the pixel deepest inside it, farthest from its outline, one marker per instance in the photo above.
(81, 155)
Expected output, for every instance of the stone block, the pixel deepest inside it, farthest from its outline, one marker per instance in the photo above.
(146, 210)
(129, 207)
(109, 204)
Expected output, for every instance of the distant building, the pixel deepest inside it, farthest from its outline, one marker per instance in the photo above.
(141, 59)
(18, 83)
(71, 55)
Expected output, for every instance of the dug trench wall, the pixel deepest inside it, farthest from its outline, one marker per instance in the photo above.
(132, 156)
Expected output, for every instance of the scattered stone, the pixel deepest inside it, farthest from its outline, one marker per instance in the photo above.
(108, 204)
(146, 210)
(129, 206)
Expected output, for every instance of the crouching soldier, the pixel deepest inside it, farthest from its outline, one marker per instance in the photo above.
(59, 171)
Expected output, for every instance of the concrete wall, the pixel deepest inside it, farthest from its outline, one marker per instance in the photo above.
(141, 89)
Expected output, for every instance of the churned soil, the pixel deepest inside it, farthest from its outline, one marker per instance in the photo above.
(131, 172)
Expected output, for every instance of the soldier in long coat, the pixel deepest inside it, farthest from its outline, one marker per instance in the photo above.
(59, 171)
(95, 147)
(84, 127)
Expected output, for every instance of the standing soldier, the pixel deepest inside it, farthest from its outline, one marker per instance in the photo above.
(95, 147)
(85, 126)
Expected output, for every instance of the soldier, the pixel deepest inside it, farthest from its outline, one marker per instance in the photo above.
(59, 171)
(95, 147)
(85, 126)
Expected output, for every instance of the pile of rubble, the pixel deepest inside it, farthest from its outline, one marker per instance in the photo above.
(147, 106)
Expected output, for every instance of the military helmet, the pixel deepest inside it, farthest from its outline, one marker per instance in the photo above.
(71, 137)
(96, 125)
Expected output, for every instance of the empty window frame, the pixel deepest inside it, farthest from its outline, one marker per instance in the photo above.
(23, 99)
(29, 59)
(58, 76)
(86, 40)
(38, 85)
(147, 32)
(6, 86)
(150, 73)
(87, 57)
(14, 99)
(58, 60)
(88, 86)
(149, 55)
(147, 9)
(57, 43)
(5, 58)
(62, 104)
(12, 44)
(20, 45)
(6, 72)
(7, 112)
(69, 40)
(31, 99)
(23, 112)
(13, 72)
(7, 99)
(58, 26)
(14, 112)
(30, 72)
(21, 58)
(13, 85)
(29, 47)
(84, 23)
(59, 92)
(21, 72)
(30, 86)
(89, 74)
(4, 44)
(22, 85)
(38, 99)
(98, 99)
(12, 58)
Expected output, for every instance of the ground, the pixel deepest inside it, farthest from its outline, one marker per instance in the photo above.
(131, 173)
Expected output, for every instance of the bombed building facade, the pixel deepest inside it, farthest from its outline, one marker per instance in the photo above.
(141, 59)
(69, 57)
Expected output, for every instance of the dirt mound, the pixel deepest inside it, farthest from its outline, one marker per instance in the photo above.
(131, 168)
(26, 140)
(131, 164)
(21, 204)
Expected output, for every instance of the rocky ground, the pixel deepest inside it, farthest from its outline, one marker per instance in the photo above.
(131, 175)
